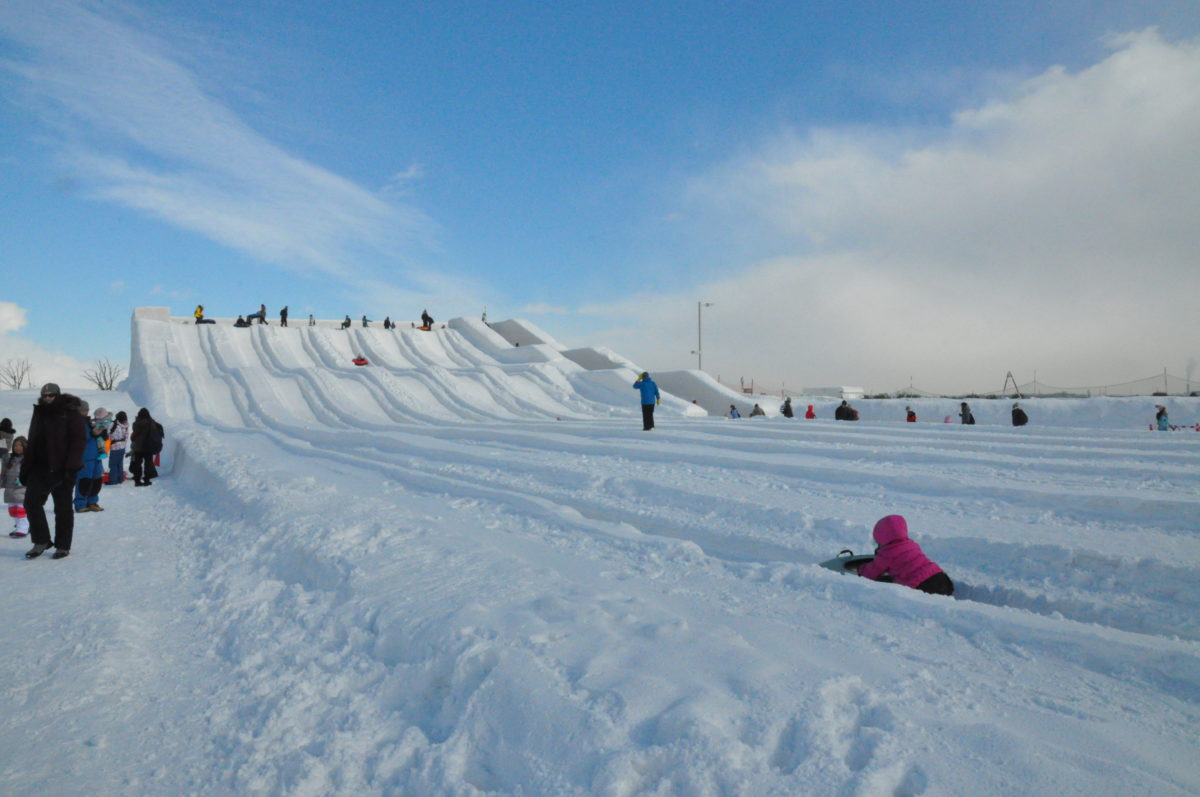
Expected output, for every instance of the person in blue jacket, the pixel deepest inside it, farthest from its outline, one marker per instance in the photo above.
(1164, 422)
(650, 398)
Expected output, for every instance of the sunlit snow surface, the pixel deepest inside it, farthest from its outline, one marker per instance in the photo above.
(465, 569)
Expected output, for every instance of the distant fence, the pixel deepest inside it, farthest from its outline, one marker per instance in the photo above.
(1164, 384)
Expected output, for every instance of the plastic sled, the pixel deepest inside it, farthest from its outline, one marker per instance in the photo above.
(848, 562)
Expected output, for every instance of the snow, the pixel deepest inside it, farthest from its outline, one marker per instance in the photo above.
(448, 573)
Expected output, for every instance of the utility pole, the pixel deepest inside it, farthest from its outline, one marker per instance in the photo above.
(699, 352)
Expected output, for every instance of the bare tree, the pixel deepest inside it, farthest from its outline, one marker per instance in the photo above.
(15, 373)
(105, 374)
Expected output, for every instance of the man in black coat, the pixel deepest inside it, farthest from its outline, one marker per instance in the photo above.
(53, 455)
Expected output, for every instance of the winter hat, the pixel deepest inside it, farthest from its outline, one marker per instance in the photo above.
(100, 414)
(1015, 405)
(51, 389)
(84, 406)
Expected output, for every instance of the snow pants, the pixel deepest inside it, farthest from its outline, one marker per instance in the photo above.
(88, 484)
(20, 521)
(647, 417)
(59, 486)
(937, 584)
(116, 466)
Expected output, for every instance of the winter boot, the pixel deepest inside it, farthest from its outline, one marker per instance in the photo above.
(36, 551)
(60, 554)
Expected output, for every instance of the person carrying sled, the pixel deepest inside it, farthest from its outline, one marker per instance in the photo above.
(903, 560)
(650, 396)
(1019, 418)
(964, 412)
(54, 454)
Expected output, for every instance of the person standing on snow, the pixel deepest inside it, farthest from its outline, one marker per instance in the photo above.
(146, 440)
(119, 435)
(786, 409)
(14, 490)
(283, 316)
(91, 475)
(733, 411)
(57, 434)
(968, 418)
(1164, 423)
(650, 397)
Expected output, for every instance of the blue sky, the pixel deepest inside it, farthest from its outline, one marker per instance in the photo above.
(869, 192)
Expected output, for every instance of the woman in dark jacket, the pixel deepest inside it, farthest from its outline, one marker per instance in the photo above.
(145, 441)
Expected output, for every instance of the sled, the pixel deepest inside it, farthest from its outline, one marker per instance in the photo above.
(424, 329)
(848, 562)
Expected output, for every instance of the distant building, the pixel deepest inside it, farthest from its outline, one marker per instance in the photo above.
(843, 392)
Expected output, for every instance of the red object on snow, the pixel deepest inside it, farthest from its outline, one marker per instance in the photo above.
(359, 361)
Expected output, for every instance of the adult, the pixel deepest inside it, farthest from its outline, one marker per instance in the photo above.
(241, 322)
(346, 322)
(733, 411)
(426, 320)
(845, 412)
(365, 321)
(119, 435)
(1019, 417)
(199, 314)
(650, 396)
(283, 316)
(145, 440)
(54, 454)
(786, 409)
(91, 475)
(964, 412)
(757, 412)
(387, 322)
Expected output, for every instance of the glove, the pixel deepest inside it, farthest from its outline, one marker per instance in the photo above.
(658, 401)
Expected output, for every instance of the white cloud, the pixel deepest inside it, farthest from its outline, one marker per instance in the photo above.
(1052, 229)
(136, 127)
(12, 317)
(46, 365)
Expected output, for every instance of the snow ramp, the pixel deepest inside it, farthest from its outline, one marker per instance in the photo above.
(303, 377)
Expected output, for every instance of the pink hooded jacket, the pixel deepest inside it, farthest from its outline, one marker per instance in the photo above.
(898, 555)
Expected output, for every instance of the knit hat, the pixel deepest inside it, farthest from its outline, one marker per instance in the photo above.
(84, 406)
(100, 414)
(51, 389)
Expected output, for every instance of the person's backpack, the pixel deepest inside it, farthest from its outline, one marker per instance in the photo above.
(154, 439)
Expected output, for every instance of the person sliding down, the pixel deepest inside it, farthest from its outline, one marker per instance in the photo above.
(903, 559)
(359, 360)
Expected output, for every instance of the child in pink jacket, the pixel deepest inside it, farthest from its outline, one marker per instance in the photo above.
(903, 560)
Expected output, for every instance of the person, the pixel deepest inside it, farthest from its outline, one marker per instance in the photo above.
(53, 455)
(733, 411)
(119, 435)
(903, 560)
(199, 314)
(359, 360)
(426, 320)
(14, 489)
(650, 397)
(1164, 423)
(346, 322)
(909, 415)
(810, 413)
(262, 314)
(845, 412)
(90, 476)
(968, 418)
(312, 322)
(146, 440)
(364, 321)
(1019, 417)
(241, 322)
(786, 409)
(283, 316)
(7, 432)
(387, 322)
(757, 412)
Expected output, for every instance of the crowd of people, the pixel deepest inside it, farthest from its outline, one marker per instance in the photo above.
(260, 315)
(67, 457)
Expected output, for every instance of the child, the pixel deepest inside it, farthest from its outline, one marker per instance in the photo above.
(116, 454)
(903, 559)
(14, 491)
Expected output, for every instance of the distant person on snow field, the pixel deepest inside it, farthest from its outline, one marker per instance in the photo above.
(241, 322)
(14, 490)
(910, 415)
(426, 319)
(968, 418)
(199, 314)
(346, 322)
(786, 409)
(54, 454)
(845, 412)
(757, 412)
(119, 435)
(261, 315)
(650, 396)
(1164, 423)
(1018, 415)
(810, 413)
(733, 411)
(146, 440)
(283, 316)
(903, 559)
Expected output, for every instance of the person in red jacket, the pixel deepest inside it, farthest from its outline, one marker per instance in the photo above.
(810, 414)
(903, 560)
(910, 415)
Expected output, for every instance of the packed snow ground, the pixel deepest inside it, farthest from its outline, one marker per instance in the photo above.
(410, 578)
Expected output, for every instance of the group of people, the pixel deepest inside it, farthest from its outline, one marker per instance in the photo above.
(68, 455)
(260, 315)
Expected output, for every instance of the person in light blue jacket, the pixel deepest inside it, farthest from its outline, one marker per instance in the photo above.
(1164, 423)
(650, 398)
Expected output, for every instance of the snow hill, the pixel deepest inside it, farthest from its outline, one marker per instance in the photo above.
(465, 570)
